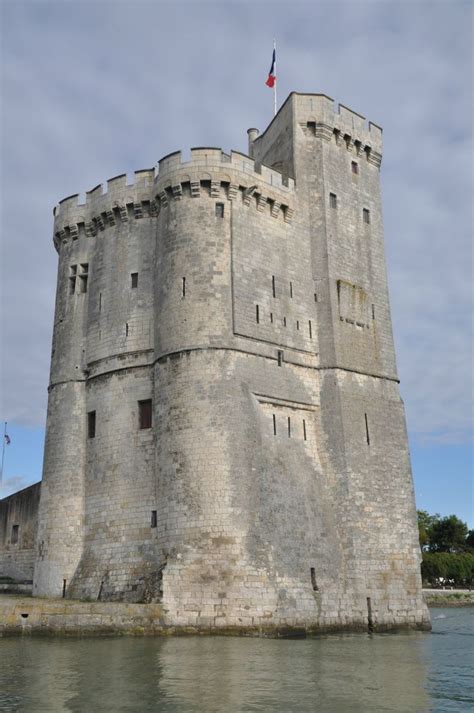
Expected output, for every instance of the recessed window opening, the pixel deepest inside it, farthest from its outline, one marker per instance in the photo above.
(183, 288)
(373, 311)
(83, 277)
(355, 167)
(315, 297)
(91, 424)
(333, 200)
(64, 588)
(154, 518)
(291, 290)
(100, 301)
(219, 210)
(144, 414)
(257, 314)
(72, 279)
(313, 580)
(367, 435)
(284, 321)
(304, 430)
(274, 425)
(271, 317)
(280, 357)
(310, 328)
(366, 215)
(126, 329)
(289, 427)
(15, 531)
(297, 324)
(273, 286)
(134, 279)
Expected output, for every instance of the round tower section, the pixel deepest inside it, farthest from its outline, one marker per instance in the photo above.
(98, 474)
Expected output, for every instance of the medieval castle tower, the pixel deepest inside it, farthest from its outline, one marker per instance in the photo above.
(225, 432)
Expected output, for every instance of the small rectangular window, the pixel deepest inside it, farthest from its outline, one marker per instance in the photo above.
(333, 200)
(72, 279)
(144, 414)
(291, 290)
(271, 317)
(154, 518)
(219, 210)
(284, 321)
(100, 301)
(310, 329)
(355, 167)
(313, 579)
(274, 425)
(367, 429)
(297, 324)
(315, 297)
(183, 287)
(289, 427)
(366, 215)
(304, 430)
(83, 277)
(91, 424)
(15, 531)
(280, 357)
(273, 286)
(134, 278)
(257, 314)
(373, 311)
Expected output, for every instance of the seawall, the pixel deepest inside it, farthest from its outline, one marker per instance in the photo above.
(64, 617)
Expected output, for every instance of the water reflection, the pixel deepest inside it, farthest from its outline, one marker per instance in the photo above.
(335, 674)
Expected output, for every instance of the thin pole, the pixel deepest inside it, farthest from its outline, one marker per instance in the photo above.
(275, 82)
(4, 440)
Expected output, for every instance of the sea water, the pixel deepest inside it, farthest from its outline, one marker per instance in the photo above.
(353, 673)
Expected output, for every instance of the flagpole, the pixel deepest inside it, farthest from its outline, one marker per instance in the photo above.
(4, 440)
(275, 82)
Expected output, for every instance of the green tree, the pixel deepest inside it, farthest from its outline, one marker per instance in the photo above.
(469, 544)
(425, 523)
(447, 534)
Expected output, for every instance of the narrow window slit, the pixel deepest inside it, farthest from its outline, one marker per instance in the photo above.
(280, 357)
(91, 424)
(126, 329)
(291, 290)
(297, 324)
(367, 429)
(271, 317)
(284, 321)
(154, 518)
(134, 280)
(274, 425)
(64, 588)
(310, 329)
(273, 286)
(370, 620)
(100, 301)
(313, 580)
(373, 311)
(257, 314)
(289, 427)
(144, 414)
(183, 288)
(304, 430)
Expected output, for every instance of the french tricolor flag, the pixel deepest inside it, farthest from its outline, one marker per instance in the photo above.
(271, 75)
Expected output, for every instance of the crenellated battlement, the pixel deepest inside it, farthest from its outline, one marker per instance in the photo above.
(225, 175)
(205, 159)
(320, 116)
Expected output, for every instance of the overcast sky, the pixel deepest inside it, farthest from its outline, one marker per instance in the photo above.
(93, 89)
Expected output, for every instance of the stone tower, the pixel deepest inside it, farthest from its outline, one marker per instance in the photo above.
(225, 432)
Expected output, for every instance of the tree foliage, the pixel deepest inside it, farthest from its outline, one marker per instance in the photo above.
(443, 534)
(457, 569)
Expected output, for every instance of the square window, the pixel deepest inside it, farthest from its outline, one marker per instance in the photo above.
(144, 414)
(333, 200)
(91, 424)
(134, 277)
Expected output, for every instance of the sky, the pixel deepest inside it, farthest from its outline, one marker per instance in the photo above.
(90, 90)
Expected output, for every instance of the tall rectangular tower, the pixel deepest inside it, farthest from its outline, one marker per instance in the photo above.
(240, 303)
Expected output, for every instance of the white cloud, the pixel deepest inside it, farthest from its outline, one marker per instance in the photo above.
(91, 90)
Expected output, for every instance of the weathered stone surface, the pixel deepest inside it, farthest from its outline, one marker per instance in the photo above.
(276, 470)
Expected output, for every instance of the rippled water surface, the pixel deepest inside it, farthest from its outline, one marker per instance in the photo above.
(411, 672)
